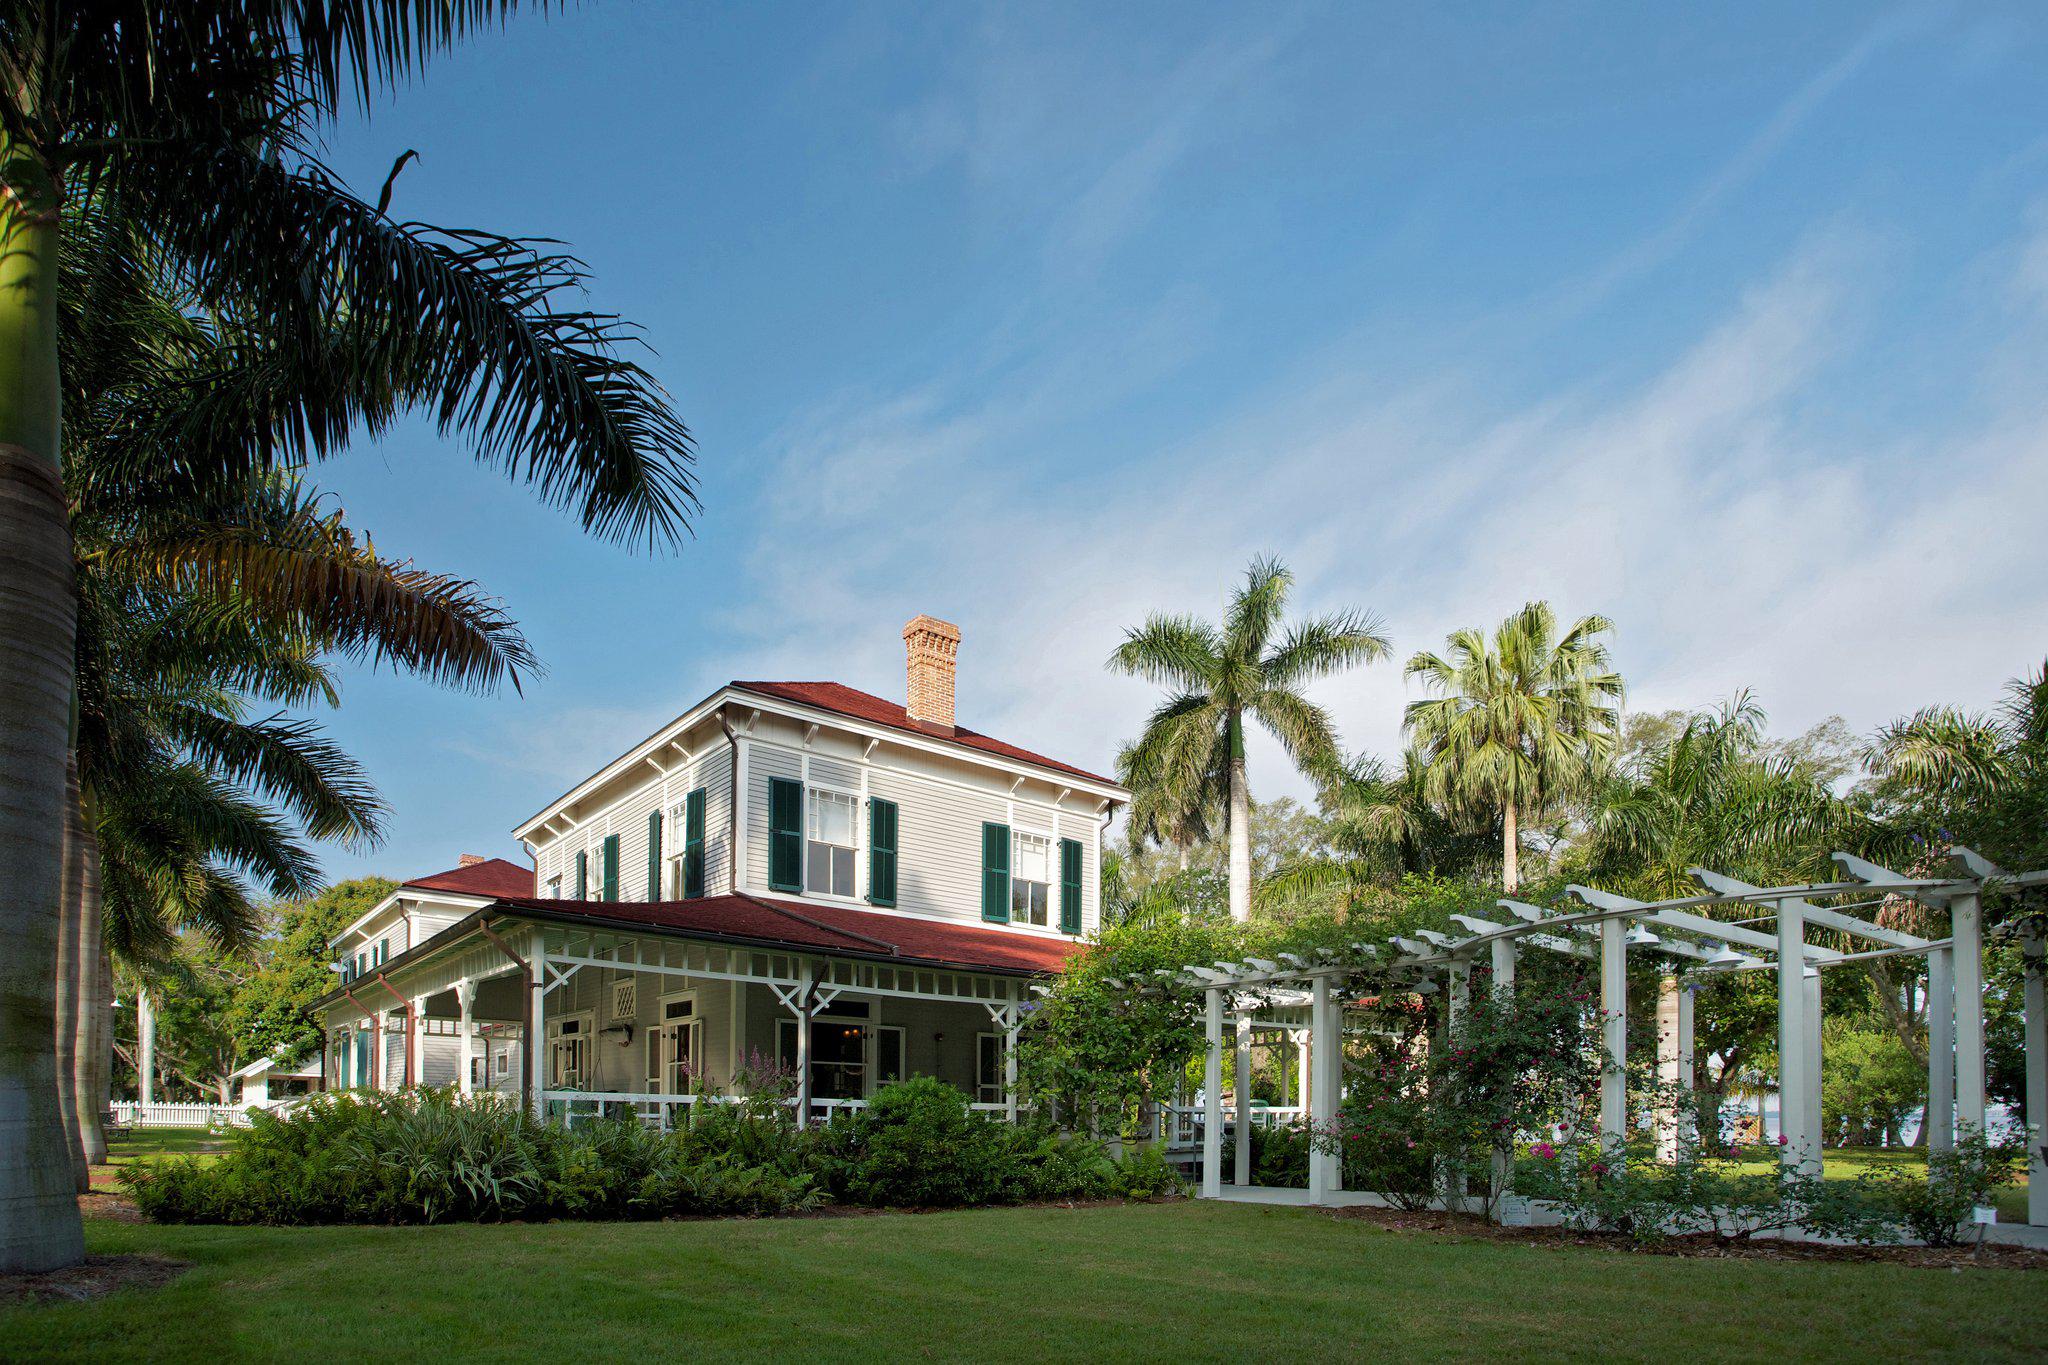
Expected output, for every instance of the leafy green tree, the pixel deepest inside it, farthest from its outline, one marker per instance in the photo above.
(1220, 677)
(1869, 1085)
(1519, 722)
(188, 131)
(270, 1012)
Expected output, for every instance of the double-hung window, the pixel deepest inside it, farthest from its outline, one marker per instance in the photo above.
(828, 867)
(1031, 879)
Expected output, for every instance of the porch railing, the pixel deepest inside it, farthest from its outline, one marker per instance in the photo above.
(1181, 1125)
(672, 1111)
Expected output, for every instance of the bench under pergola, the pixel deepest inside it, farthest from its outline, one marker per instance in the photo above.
(1771, 936)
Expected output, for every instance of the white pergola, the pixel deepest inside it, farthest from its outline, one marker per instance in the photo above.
(1766, 930)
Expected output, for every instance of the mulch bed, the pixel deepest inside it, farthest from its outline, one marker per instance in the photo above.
(93, 1278)
(1448, 1226)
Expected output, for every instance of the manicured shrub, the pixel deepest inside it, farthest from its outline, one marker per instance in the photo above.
(431, 1156)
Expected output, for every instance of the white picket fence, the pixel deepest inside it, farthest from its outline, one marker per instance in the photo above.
(132, 1114)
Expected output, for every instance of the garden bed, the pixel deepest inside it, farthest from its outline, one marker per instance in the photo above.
(93, 1278)
(1989, 1255)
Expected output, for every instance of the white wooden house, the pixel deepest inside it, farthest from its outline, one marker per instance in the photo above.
(877, 903)
(265, 1082)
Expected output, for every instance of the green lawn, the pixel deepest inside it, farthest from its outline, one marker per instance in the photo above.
(1845, 1163)
(1187, 1280)
(141, 1144)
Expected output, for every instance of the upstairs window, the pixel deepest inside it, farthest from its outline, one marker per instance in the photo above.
(829, 857)
(1031, 879)
(555, 887)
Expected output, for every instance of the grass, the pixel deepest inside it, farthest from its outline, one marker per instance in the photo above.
(1845, 1163)
(142, 1144)
(1189, 1280)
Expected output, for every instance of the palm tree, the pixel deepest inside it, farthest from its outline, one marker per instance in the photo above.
(1519, 720)
(186, 131)
(186, 627)
(1377, 825)
(1221, 676)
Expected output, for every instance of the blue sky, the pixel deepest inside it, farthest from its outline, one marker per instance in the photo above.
(1726, 321)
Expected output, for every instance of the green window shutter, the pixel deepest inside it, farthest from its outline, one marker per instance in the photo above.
(654, 855)
(881, 852)
(785, 835)
(611, 867)
(582, 874)
(693, 844)
(1070, 886)
(995, 873)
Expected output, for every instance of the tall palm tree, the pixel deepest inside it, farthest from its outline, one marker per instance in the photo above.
(190, 128)
(1221, 676)
(1519, 719)
(1377, 824)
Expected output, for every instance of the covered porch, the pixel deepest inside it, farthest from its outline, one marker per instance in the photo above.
(580, 1020)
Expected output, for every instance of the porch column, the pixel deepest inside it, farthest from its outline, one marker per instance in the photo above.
(465, 996)
(1967, 930)
(1212, 1099)
(2034, 1027)
(1614, 1035)
(1796, 1149)
(1939, 1118)
(1242, 1084)
(534, 1083)
(1325, 1051)
(807, 983)
(415, 1046)
(1012, 1020)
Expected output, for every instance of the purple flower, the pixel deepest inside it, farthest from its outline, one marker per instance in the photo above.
(1782, 1139)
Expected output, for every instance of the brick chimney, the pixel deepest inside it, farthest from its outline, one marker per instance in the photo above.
(931, 649)
(470, 860)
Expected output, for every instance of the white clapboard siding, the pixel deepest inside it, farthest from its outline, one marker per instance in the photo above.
(440, 1059)
(764, 761)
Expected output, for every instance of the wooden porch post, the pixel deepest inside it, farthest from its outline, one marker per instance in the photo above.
(465, 996)
(807, 979)
(533, 1081)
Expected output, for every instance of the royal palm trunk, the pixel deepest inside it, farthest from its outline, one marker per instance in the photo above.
(69, 979)
(1240, 826)
(39, 1222)
(93, 1047)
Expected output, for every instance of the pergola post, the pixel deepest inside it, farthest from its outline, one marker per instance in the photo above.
(1796, 1142)
(1688, 1052)
(1241, 1174)
(1212, 1100)
(1810, 984)
(1966, 929)
(2034, 1026)
(1300, 1037)
(1326, 1055)
(1614, 1036)
(1669, 1053)
(1939, 1118)
(1503, 987)
(465, 997)
(1459, 977)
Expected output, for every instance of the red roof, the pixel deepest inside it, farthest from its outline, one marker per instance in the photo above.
(847, 701)
(491, 877)
(832, 928)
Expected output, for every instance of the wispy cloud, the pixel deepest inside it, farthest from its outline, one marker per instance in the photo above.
(1736, 545)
